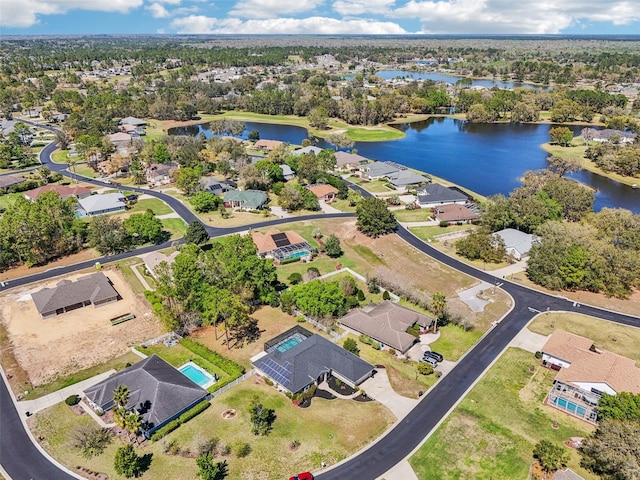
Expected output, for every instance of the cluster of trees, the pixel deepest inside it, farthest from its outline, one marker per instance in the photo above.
(374, 218)
(109, 235)
(216, 286)
(624, 160)
(15, 149)
(34, 233)
(613, 450)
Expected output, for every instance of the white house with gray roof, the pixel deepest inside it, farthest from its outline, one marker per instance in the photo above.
(101, 204)
(158, 392)
(516, 242)
(435, 194)
(376, 170)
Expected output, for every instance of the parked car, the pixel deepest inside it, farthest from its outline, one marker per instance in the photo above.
(435, 355)
(302, 476)
(430, 360)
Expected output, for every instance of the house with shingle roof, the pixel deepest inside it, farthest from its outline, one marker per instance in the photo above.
(310, 149)
(281, 246)
(349, 161)
(434, 194)
(324, 192)
(454, 213)
(64, 191)
(95, 289)
(101, 204)
(310, 361)
(406, 178)
(158, 392)
(246, 199)
(267, 145)
(516, 242)
(584, 374)
(387, 323)
(7, 181)
(376, 170)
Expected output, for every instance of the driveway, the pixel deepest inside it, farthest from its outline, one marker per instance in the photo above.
(379, 388)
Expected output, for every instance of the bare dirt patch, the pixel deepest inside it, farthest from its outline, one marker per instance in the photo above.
(46, 349)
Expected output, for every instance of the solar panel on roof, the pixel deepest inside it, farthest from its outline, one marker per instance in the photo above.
(280, 239)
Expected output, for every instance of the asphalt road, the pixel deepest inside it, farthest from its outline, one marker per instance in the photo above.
(23, 461)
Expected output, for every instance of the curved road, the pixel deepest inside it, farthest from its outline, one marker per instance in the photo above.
(391, 449)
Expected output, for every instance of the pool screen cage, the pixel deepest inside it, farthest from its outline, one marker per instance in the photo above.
(289, 251)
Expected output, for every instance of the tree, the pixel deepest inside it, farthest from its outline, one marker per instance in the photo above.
(121, 395)
(340, 140)
(438, 305)
(208, 469)
(253, 135)
(481, 245)
(562, 165)
(318, 118)
(262, 418)
(91, 440)
(144, 228)
(623, 406)
(205, 202)
(317, 298)
(188, 180)
(350, 345)
(612, 451)
(107, 235)
(196, 233)
(127, 462)
(374, 218)
(561, 136)
(551, 457)
(161, 153)
(332, 246)
(295, 278)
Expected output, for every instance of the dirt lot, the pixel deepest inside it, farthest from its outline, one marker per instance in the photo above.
(75, 340)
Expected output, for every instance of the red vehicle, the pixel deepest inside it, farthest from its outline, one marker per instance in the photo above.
(302, 476)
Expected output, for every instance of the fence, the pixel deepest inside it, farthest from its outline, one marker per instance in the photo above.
(234, 383)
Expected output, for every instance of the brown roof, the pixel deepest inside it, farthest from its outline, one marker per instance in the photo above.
(619, 372)
(322, 190)
(346, 158)
(268, 144)
(454, 213)
(62, 190)
(95, 288)
(9, 180)
(265, 242)
(387, 323)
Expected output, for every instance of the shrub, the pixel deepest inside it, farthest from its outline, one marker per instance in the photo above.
(268, 381)
(414, 330)
(241, 449)
(361, 296)
(313, 271)
(367, 340)
(192, 412)
(372, 285)
(207, 445)
(385, 295)
(443, 224)
(392, 352)
(300, 319)
(351, 346)
(164, 431)
(228, 366)
(295, 278)
(376, 345)
(72, 400)
(424, 369)
(538, 355)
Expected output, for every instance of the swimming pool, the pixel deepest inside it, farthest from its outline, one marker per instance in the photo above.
(196, 374)
(303, 253)
(570, 407)
(290, 342)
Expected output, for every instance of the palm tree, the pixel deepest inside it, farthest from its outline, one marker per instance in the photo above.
(438, 307)
(132, 423)
(121, 396)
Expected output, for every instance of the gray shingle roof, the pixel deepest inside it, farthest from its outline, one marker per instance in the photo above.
(9, 180)
(387, 323)
(513, 238)
(95, 288)
(98, 203)
(316, 355)
(407, 177)
(379, 169)
(250, 199)
(436, 193)
(156, 386)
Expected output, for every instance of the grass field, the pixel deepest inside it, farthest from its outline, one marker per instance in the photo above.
(616, 338)
(8, 199)
(157, 206)
(418, 215)
(454, 341)
(429, 234)
(175, 226)
(492, 432)
(60, 156)
(126, 267)
(322, 431)
(84, 170)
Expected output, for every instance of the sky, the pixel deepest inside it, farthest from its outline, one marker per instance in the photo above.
(370, 17)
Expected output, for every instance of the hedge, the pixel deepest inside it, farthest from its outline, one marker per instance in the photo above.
(184, 418)
(228, 366)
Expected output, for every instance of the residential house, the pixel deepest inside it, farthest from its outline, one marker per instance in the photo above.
(377, 170)
(516, 242)
(453, 213)
(158, 392)
(281, 246)
(7, 181)
(65, 191)
(267, 145)
(95, 289)
(160, 173)
(153, 259)
(287, 173)
(310, 149)
(585, 373)
(608, 135)
(349, 161)
(246, 199)
(133, 125)
(300, 359)
(101, 204)
(404, 179)
(387, 323)
(434, 195)
(324, 192)
(213, 185)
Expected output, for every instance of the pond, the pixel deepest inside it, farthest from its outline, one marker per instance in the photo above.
(486, 158)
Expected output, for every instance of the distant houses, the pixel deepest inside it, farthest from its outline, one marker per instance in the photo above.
(133, 126)
(95, 289)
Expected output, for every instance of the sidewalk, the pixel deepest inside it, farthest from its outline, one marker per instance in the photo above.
(47, 401)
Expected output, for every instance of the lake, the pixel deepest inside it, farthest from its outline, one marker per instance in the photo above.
(486, 158)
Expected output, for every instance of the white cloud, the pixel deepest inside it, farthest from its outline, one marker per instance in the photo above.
(358, 7)
(157, 10)
(25, 13)
(508, 16)
(314, 25)
(169, 2)
(272, 8)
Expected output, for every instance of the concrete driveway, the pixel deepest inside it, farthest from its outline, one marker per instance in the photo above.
(379, 388)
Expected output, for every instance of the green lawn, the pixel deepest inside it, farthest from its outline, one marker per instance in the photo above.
(492, 432)
(60, 156)
(377, 186)
(84, 170)
(8, 199)
(343, 206)
(117, 363)
(322, 431)
(158, 206)
(428, 234)
(126, 267)
(175, 226)
(417, 215)
(454, 341)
